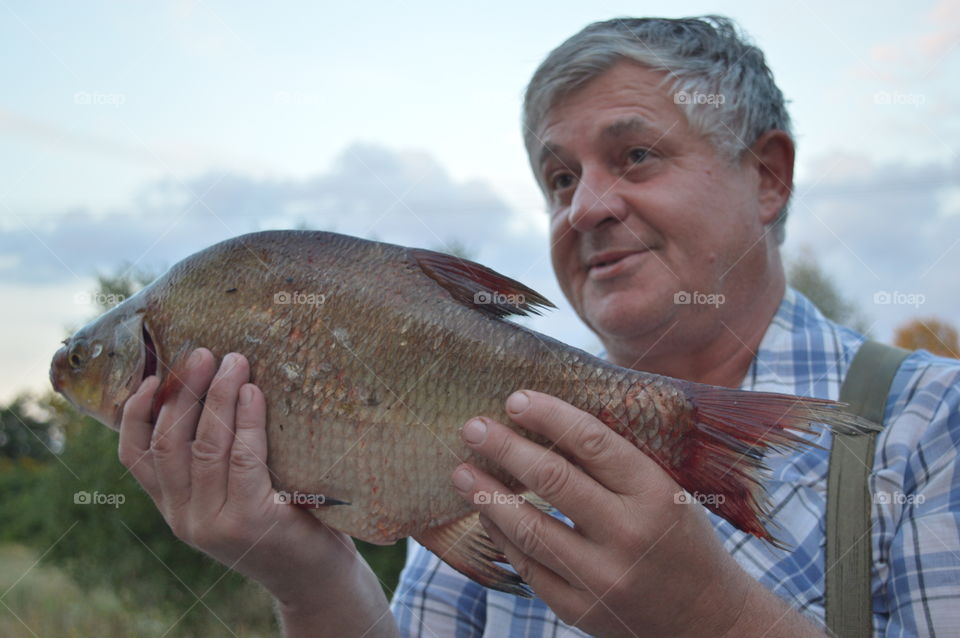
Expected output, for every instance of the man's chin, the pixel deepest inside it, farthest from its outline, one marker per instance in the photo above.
(616, 318)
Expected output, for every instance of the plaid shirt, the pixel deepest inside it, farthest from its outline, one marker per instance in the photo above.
(916, 514)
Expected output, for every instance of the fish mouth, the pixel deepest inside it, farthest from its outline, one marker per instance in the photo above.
(149, 354)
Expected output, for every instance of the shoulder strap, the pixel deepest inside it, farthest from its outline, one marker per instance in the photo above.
(848, 560)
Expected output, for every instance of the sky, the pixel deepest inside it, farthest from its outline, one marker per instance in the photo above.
(139, 133)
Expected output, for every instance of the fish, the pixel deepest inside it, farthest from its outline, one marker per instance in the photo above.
(372, 355)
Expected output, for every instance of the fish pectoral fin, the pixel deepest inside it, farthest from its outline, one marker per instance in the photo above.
(465, 546)
(479, 287)
(309, 500)
(538, 502)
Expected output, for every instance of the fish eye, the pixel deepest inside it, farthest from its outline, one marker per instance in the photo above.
(75, 357)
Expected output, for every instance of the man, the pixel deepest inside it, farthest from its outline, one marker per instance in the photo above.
(665, 155)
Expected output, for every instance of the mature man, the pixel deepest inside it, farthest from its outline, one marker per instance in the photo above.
(665, 155)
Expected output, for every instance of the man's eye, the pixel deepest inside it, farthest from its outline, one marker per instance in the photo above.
(637, 155)
(560, 181)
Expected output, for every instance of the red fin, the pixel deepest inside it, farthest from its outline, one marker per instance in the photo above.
(464, 545)
(732, 431)
(479, 287)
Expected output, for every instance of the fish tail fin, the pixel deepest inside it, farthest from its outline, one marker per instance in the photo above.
(732, 431)
(464, 545)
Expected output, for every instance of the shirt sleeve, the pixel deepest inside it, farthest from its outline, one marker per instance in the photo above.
(433, 600)
(921, 594)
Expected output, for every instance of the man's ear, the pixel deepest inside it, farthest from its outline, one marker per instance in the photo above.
(774, 153)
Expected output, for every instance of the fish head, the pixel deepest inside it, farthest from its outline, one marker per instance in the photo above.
(103, 364)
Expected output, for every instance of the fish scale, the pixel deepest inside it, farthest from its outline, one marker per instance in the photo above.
(371, 357)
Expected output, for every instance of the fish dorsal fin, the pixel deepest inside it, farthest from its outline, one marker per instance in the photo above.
(479, 287)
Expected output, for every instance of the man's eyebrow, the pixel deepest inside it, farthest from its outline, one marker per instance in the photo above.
(547, 152)
(629, 125)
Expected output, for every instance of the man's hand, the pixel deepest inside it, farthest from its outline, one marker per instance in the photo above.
(639, 561)
(204, 465)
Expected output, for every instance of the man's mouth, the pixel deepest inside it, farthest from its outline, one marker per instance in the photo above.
(610, 263)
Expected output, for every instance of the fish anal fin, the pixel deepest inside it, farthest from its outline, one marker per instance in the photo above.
(479, 287)
(464, 545)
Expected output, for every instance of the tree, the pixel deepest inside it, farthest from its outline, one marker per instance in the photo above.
(931, 334)
(805, 274)
(24, 434)
(456, 248)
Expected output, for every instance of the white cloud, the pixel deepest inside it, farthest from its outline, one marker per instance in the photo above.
(884, 228)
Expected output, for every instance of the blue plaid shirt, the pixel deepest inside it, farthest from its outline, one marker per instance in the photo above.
(916, 511)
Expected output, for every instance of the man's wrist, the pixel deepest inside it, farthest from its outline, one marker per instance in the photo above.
(765, 614)
(348, 601)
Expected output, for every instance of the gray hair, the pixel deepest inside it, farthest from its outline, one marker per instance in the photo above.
(706, 61)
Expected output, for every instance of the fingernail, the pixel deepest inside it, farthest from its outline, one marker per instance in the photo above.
(229, 361)
(474, 431)
(194, 359)
(246, 395)
(462, 479)
(518, 402)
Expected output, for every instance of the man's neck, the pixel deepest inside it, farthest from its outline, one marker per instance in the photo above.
(722, 360)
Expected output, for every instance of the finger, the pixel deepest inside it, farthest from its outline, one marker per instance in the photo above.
(548, 474)
(210, 465)
(538, 536)
(135, 432)
(609, 458)
(249, 479)
(176, 425)
(547, 584)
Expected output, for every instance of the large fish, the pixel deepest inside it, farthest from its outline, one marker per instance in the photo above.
(371, 356)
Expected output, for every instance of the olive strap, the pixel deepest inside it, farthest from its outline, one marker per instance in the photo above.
(848, 556)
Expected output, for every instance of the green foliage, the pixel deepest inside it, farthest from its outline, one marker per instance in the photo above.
(456, 248)
(386, 561)
(22, 434)
(41, 600)
(125, 282)
(98, 525)
(18, 485)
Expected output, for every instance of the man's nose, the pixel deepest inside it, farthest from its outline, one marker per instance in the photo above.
(596, 199)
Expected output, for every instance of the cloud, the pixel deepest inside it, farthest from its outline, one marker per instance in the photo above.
(891, 228)
(923, 52)
(399, 197)
(404, 198)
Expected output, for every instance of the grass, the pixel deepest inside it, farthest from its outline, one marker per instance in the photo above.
(39, 600)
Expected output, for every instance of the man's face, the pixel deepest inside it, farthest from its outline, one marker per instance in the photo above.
(642, 208)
